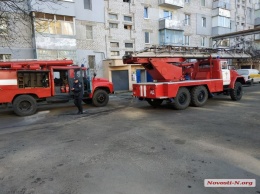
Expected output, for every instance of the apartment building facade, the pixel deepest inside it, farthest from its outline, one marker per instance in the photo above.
(65, 29)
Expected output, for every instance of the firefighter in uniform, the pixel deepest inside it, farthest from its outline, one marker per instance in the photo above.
(77, 90)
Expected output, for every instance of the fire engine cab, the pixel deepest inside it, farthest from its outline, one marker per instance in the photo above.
(185, 76)
(24, 83)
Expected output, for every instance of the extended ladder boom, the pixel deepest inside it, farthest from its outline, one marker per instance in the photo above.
(187, 53)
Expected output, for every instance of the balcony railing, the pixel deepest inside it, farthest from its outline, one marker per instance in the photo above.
(257, 21)
(220, 30)
(170, 24)
(176, 4)
(221, 4)
(257, 6)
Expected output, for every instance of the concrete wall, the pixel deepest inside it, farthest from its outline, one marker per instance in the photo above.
(96, 14)
(59, 8)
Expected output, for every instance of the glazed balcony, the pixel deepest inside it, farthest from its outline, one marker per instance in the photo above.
(173, 4)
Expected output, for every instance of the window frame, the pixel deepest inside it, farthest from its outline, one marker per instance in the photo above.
(204, 22)
(113, 25)
(113, 14)
(54, 24)
(187, 19)
(130, 17)
(186, 40)
(90, 32)
(146, 13)
(145, 38)
(89, 6)
(203, 41)
(114, 43)
(129, 43)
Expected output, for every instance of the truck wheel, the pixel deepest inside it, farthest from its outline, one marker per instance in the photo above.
(100, 98)
(199, 96)
(24, 105)
(182, 99)
(237, 92)
(154, 102)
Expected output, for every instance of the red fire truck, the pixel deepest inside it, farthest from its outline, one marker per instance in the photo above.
(183, 81)
(24, 83)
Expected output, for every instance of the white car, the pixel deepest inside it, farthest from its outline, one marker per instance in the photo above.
(251, 75)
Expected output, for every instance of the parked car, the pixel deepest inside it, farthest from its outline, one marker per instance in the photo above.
(251, 75)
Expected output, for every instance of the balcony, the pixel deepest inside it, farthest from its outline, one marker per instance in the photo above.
(220, 30)
(257, 36)
(257, 6)
(170, 24)
(221, 4)
(174, 4)
(257, 21)
(221, 12)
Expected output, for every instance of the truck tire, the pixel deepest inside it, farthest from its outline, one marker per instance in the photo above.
(199, 96)
(236, 93)
(100, 98)
(24, 105)
(182, 99)
(154, 102)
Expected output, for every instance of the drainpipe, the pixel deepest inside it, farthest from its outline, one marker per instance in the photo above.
(32, 17)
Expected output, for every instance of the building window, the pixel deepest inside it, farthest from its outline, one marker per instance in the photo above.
(146, 12)
(114, 44)
(112, 16)
(203, 22)
(4, 57)
(89, 32)
(127, 1)
(147, 38)
(113, 25)
(129, 45)
(127, 27)
(88, 4)
(167, 14)
(203, 3)
(238, 6)
(187, 1)
(128, 18)
(249, 13)
(128, 52)
(114, 53)
(91, 61)
(54, 24)
(3, 26)
(203, 41)
(187, 19)
(186, 40)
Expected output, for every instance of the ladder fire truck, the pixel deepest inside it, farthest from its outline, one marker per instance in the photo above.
(24, 83)
(182, 81)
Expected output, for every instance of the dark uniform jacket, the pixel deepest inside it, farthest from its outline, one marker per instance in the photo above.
(78, 93)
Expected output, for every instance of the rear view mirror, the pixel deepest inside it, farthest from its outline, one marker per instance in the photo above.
(95, 74)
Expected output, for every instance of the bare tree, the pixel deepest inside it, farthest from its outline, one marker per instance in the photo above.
(16, 21)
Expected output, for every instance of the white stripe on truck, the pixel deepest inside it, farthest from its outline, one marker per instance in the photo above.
(8, 82)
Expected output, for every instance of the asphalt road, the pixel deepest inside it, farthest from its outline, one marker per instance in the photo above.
(129, 147)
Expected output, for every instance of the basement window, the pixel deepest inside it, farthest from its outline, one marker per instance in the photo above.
(127, 1)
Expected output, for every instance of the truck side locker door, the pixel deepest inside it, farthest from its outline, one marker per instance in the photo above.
(225, 73)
